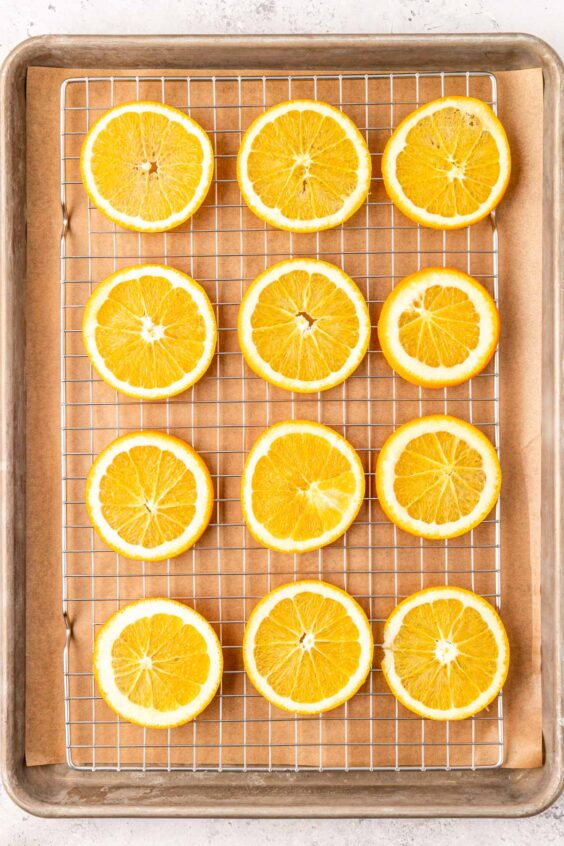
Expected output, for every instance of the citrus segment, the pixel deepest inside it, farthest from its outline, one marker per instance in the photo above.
(438, 327)
(307, 647)
(446, 653)
(448, 163)
(302, 486)
(303, 325)
(437, 477)
(146, 166)
(149, 496)
(149, 331)
(303, 166)
(157, 663)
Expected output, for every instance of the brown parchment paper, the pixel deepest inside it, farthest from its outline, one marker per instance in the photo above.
(219, 733)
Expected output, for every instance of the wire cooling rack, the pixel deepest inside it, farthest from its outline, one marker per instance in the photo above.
(224, 247)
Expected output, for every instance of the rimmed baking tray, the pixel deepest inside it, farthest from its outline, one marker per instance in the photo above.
(57, 790)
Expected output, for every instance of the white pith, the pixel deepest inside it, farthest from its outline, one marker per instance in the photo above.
(261, 448)
(340, 280)
(181, 451)
(393, 626)
(402, 300)
(105, 675)
(275, 216)
(148, 330)
(446, 651)
(192, 128)
(398, 142)
(395, 446)
(364, 638)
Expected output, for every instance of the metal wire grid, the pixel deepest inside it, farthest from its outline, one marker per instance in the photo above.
(224, 247)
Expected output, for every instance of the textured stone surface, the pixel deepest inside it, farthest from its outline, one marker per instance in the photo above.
(36, 17)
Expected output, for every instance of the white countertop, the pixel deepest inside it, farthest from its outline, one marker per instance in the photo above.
(19, 20)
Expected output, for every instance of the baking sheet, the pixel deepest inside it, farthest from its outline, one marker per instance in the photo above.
(520, 263)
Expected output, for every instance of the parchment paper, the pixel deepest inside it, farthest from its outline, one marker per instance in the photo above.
(519, 218)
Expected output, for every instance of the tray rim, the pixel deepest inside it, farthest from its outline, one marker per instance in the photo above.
(58, 791)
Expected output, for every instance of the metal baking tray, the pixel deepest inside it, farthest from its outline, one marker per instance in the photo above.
(456, 788)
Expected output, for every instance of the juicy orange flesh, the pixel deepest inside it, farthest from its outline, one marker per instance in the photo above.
(303, 164)
(307, 648)
(146, 165)
(304, 326)
(457, 682)
(449, 164)
(149, 332)
(148, 496)
(160, 662)
(439, 478)
(301, 487)
(441, 327)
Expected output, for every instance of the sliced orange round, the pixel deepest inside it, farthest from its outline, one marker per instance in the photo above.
(304, 325)
(147, 166)
(149, 496)
(308, 647)
(149, 331)
(157, 663)
(448, 163)
(437, 477)
(446, 653)
(438, 327)
(302, 486)
(304, 166)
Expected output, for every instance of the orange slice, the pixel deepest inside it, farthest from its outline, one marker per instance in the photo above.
(438, 327)
(304, 325)
(437, 477)
(302, 486)
(304, 166)
(157, 663)
(149, 496)
(446, 653)
(308, 647)
(149, 331)
(147, 166)
(448, 163)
